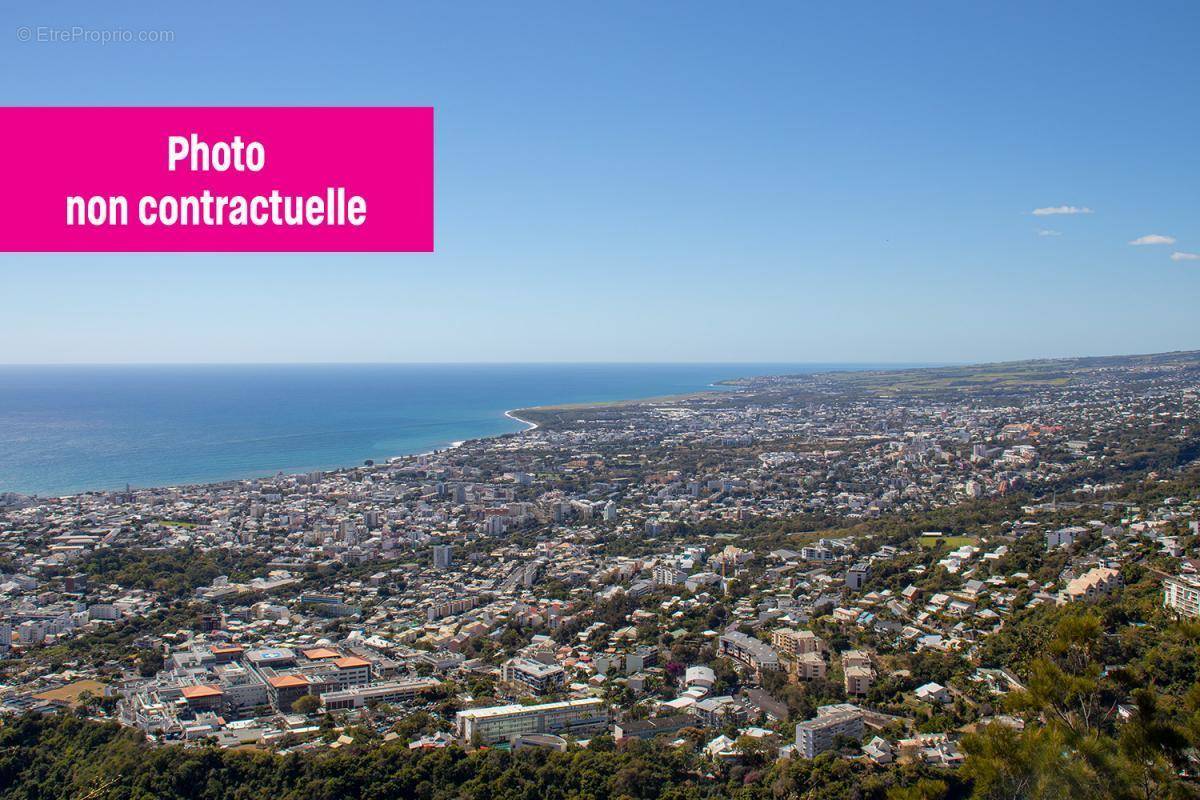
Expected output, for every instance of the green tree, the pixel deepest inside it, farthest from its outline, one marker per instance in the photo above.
(923, 789)
(307, 704)
(1034, 764)
(1153, 746)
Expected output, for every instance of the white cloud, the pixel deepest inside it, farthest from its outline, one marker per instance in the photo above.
(1153, 238)
(1177, 256)
(1049, 211)
(1048, 232)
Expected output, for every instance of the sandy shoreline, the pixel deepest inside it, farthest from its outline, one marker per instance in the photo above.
(511, 414)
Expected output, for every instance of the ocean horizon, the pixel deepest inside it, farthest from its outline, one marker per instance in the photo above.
(66, 429)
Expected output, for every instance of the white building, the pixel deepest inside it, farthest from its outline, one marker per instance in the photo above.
(700, 676)
(534, 676)
(668, 574)
(857, 575)
(443, 556)
(1181, 594)
(1063, 537)
(500, 723)
(815, 736)
(389, 692)
(933, 693)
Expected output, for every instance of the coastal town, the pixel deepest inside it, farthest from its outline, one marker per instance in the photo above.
(792, 567)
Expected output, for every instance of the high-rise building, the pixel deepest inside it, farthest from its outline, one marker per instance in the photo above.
(815, 736)
(443, 556)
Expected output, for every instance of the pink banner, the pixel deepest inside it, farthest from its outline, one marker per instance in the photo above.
(216, 179)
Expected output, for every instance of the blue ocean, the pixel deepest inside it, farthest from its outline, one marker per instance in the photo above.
(67, 429)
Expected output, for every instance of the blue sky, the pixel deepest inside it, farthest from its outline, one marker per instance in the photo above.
(668, 181)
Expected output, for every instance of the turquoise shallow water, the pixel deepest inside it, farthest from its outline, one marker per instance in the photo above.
(65, 429)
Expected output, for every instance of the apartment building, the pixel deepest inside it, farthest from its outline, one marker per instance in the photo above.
(1181, 594)
(500, 723)
(857, 575)
(858, 680)
(816, 736)
(526, 674)
(756, 654)
(1063, 537)
(443, 556)
(668, 574)
(650, 728)
(817, 553)
(1091, 585)
(791, 643)
(857, 671)
(807, 667)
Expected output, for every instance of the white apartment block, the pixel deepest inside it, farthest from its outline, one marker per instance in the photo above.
(815, 736)
(500, 723)
(534, 676)
(1181, 594)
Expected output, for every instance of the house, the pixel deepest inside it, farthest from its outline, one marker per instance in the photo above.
(933, 693)
(880, 751)
(721, 748)
(973, 588)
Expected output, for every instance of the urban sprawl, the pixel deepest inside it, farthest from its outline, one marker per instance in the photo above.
(789, 567)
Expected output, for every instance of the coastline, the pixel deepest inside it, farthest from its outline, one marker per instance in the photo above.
(935, 380)
(531, 417)
(513, 414)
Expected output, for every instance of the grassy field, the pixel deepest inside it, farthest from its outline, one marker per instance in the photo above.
(951, 542)
(943, 379)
